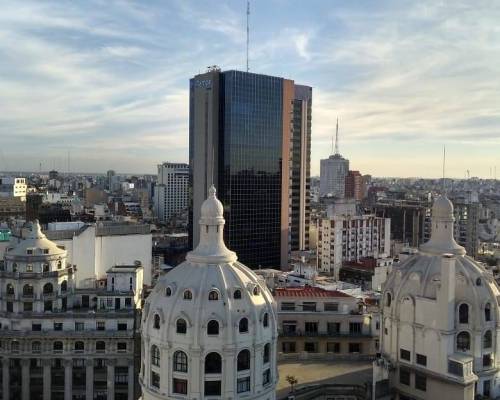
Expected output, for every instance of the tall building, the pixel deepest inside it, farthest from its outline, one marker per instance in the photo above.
(440, 312)
(209, 328)
(354, 186)
(13, 187)
(59, 342)
(171, 194)
(333, 172)
(249, 134)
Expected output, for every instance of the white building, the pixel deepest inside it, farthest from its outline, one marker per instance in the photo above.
(58, 342)
(171, 194)
(440, 320)
(333, 171)
(350, 237)
(92, 249)
(209, 328)
(13, 187)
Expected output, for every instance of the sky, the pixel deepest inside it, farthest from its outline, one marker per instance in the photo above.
(106, 82)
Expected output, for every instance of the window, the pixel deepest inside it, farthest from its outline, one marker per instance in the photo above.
(237, 294)
(57, 347)
(10, 306)
(486, 388)
(155, 379)
(122, 326)
(243, 361)
(333, 347)
(266, 377)
(213, 295)
(487, 361)
(100, 325)
(333, 327)
(265, 320)
(243, 384)
(58, 326)
(181, 326)
(156, 321)
(28, 306)
(180, 386)
(79, 347)
(455, 368)
(289, 327)
(311, 327)
(47, 306)
(487, 340)
(14, 346)
(420, 381)
(355, 327)
(243, 325)
(79, 326)
(188, 295)
(311, 347)
(168, 293)
(267, 352)
(287, 306)
(28, 290)
(46, 267)
(421, 360)
(463, 314)
(256, 291)
(48, 288)
(213, 363)
(180, 362)
(404, 376)
(100, 346)
(155, 355)
(487, 312)
(288, 347)
(212, 388)
(10, 289)
(463, 341)
(332, 307)
(36, 327)
(404, 354)
(64, 286)
(388, 300)
(212, 327)
(128, 302)
(121, 346)
(309, 306)
(36, 347)
(354, 347)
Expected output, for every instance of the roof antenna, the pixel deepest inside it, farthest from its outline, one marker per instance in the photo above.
(248, 31)
(337, 137)
(444, 169)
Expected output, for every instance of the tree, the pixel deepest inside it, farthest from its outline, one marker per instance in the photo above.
(292, 380)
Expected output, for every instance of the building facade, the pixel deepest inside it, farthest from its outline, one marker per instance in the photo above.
(171, 193)
(355, 187)
(250, 136)
(333, 173)
(209, 327)
(58, 342)
(13, 187)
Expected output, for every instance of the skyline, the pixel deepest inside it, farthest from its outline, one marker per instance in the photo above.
(109, 82)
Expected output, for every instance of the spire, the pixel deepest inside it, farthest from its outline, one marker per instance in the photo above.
(211, 249)
(337, 137)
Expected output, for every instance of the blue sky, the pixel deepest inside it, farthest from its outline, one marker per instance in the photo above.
(108, 80)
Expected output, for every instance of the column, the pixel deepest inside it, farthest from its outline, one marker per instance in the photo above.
(5, 378)
(111, 379)
(228, 371)
(89, 379)
(68, 379)
(131, 380)
(47, 379)
(197, 374)
(25, 375)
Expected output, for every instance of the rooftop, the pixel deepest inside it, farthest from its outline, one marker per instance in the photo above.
(307, 291)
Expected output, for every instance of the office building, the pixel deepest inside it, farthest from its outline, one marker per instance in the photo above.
(171, 193)
(13, 187)
(249, 134)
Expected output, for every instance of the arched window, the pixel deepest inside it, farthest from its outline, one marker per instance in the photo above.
(256, 290)
(243, 362)
(155, 355)
(267, 353)
(188, 295)
(48, 288)
(156, 321)
(28, 290)
(243, 325)
(64, 286)
(388, 299)
(237, 294)
(213, 295)
(79, 346)
(36, 347)
(463, 313)
(14, 346)
(265, 320)
(213, 363)
(180, 361)
(100, 346)
(181, 326)
(487, 312)
(46, 267)
(10, 289)
(213, 327)
(478, 282)
(14, 267)
(59, 264)
(463, 341)
(487, 340)
(168, 292)
(57, 347)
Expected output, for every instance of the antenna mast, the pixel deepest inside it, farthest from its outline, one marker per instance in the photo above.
(248, 30)
(444, 167)
(337, 137)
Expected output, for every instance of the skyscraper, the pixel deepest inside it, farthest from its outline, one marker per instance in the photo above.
(333, 171)
(249, 135)
(171, 195)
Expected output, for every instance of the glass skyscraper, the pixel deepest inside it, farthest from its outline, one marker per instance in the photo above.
(251, 138)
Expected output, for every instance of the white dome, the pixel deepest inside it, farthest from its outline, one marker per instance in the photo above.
(209, 312)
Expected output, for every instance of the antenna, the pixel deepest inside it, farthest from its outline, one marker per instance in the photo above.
(444, 168)
(337, 137)
(248, 30)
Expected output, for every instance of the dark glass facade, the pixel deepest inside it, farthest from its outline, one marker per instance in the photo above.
(250, 165)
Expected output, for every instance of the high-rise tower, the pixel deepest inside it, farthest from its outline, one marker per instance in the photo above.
(249, 134)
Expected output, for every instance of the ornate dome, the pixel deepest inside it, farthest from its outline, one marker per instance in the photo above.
(209, 327)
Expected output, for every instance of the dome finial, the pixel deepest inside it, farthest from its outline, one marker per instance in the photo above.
(212, 191)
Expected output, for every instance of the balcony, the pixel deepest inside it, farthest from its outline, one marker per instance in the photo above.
(300, 333)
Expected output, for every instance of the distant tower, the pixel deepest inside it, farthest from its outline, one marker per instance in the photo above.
(248, 31)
